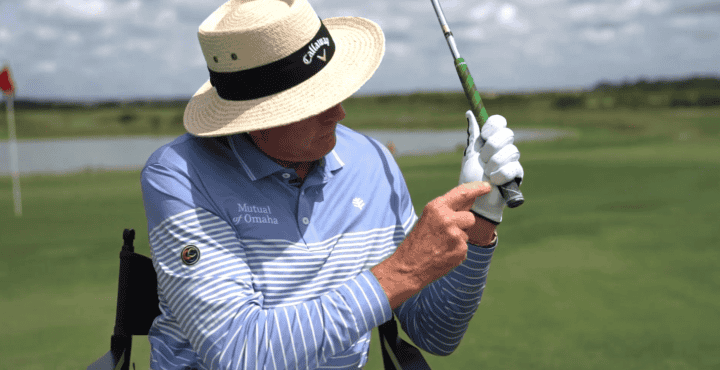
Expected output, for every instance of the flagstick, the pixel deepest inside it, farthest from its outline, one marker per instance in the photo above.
(12, 149)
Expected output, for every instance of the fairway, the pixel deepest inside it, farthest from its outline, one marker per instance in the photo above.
(611, 262)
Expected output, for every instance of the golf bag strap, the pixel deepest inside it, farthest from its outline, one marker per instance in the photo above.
(397, 353)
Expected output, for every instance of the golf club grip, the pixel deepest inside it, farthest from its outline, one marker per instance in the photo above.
(510, 191)
(471, 93)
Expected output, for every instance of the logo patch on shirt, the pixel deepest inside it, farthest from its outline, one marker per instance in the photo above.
(357, 202)
(190, 255)
(252, 214)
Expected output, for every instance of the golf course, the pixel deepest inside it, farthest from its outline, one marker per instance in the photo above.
(611, 263)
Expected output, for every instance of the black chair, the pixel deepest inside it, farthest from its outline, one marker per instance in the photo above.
(137, 305)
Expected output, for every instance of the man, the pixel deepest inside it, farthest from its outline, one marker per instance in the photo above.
(281, 238)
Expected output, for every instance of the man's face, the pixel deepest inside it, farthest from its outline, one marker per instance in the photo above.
(303, 141)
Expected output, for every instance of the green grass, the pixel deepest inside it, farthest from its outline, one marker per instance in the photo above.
(611, 263)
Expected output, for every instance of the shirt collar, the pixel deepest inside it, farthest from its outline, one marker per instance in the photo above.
(258, 165)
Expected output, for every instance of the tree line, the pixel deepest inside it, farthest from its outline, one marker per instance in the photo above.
(694, 91)
(697, 91)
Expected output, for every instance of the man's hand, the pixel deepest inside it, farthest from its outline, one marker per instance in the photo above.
(435, 246)
(490, 156)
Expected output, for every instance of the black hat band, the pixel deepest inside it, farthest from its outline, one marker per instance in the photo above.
(280, 75)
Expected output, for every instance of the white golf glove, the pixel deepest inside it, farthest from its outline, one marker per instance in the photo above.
(490, 156)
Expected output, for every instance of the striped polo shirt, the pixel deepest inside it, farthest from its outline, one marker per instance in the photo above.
(258, 270)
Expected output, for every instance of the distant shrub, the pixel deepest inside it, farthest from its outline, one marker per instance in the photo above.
(567, 102)
(680, 102)
(657, 100)
(708, 100)
(155, 123)
(177, 119)
(127, 118)
(387, 99)
(604, 86)
(608, 102)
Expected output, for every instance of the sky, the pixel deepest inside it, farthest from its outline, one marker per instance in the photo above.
(112, 49)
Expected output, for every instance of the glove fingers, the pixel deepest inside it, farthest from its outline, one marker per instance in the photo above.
(473, 131)
(509, 153)
(502, 138)
(509, 172)
(492, 125)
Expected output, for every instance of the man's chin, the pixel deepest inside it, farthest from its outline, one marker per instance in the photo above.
(329, 147)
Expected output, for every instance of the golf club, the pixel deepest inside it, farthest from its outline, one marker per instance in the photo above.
(510, 191)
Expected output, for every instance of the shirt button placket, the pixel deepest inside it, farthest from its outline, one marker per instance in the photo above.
(304, 212)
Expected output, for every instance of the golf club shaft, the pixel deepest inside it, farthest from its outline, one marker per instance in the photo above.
(510, 191)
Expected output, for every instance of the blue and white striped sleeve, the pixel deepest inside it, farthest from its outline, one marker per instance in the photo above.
(437, 318)
(214, 302)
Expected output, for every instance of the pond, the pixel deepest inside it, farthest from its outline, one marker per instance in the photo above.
(72, 155)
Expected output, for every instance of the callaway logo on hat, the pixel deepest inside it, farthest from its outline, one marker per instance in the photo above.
(274, 62)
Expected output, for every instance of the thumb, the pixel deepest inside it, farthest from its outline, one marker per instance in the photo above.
(462, 197)
(473, 131)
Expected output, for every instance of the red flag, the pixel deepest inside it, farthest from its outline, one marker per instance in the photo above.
(6, 82)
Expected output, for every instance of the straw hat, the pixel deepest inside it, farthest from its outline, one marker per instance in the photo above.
(274, 62)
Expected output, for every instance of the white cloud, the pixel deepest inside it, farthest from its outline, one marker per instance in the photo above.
(583, 11)
(451, 4)
(73, 38)
(165, 18)
(48, 66)
(85, 8)
(395, 23)
(598, 36)
(132, 6)
(687, 21)
(197, 60)
(540, 2)
(340, 11)
(398, 49)
(412, 6)
(631, 6)
(482, 11)
(656, 7)
(507, 15)
(632, 29)
(108, 31)
(512, 43)
(70, 8)
(475, 33)
(540, 47)
(146, 45)
(105, 51)
(46, 33)
(5, 35)
(42, 7)
(614, 11)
